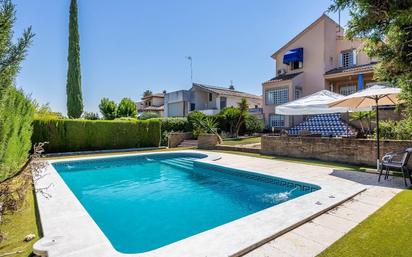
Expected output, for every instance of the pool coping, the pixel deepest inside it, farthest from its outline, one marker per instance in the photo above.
(70, 231)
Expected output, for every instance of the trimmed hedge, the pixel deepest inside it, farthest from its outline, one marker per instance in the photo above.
(16, 116)
(69, 135)
(174, 124)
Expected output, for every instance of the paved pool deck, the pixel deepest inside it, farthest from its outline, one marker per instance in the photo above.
(313, 237)
(282, 230)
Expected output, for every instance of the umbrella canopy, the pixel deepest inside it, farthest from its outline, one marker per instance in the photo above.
(317, 103)
(373, 96)
(370, 97)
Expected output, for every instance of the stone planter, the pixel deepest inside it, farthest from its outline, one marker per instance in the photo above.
(343, 150)
(207, 141)
(175, 138)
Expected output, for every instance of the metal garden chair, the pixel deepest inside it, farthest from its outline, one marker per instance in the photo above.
(397, 161)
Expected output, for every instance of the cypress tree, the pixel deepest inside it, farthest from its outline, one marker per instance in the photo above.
(74, 86)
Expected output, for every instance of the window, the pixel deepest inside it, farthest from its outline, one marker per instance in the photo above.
(347, 90)
(277, 96)
(210, 97)
(298, 93)
(222, 102)
(192, 107)
(276, 120)
(296, 65)
(347, 58)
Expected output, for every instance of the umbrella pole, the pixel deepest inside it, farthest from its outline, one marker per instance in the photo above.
(347, 124)
(377, 133)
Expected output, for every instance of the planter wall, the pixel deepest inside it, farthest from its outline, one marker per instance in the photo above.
(343, 150)
(207, 141)
(175, 138)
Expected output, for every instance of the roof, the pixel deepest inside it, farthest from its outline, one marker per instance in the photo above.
(160, 95)
(226, 91)
(324, 16)
(362, 67)
(153, 108)
(285, 76)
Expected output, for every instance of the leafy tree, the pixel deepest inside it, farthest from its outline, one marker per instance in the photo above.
(16, 109)
(108, 108)
(231, 116)
(147, 93)
(362, 117)
(126, 108)
(386, 27)
(243, 108)
(91, 116)
(11, 55)
(74, 83)
(45, 112)
(253, 124)
(148, 115)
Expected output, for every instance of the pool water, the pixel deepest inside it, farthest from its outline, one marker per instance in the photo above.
(148, 201)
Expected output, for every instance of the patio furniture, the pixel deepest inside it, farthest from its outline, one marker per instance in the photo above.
(371, 97)
(398, 161)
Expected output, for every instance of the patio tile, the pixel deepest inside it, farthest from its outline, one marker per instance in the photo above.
(373, 199)
(338, 224)
(355, 211)
(267, 250)
(297, 245)
(318, 233)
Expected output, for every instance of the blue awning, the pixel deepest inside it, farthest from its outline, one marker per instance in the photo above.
(294, 55)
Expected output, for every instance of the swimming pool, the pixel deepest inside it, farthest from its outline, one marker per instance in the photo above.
(144, 202)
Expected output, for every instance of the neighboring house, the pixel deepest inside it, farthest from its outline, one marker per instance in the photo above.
(207, 99)
(317, 58)
(152, 103)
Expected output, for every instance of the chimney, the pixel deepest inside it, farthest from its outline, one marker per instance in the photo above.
(231, 87)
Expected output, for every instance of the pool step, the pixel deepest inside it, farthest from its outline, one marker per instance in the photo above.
(184, 163)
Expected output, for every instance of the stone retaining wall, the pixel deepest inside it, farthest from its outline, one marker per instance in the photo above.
(207, 141)
(343, 150)
(175, 138)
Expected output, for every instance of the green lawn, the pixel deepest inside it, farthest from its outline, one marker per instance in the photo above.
(242, 141)
(387, 232)
(17, 226)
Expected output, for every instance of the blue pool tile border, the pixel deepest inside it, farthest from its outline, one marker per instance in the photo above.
(305, 187)
(110, 159)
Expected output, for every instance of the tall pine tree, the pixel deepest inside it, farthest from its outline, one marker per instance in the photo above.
(74, 84)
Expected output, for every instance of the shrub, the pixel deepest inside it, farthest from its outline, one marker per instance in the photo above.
(127, 108)
(108, 108)
(148, 115)
(90, 116)
(45, 112)
(253, 124)
(174, 124)
(81, 135)
(16, 115)
(229, 119)
(126, 119)
(401, 130)
(192, 117)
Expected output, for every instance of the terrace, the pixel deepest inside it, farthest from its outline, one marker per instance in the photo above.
(210, 171)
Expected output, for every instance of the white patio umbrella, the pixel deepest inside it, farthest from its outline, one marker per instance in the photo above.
(317, 103)
(373, 96)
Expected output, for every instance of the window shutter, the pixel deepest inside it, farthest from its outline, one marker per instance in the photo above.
(340, 60)
(354, 56)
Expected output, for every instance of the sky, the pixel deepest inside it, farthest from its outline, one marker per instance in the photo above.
(129, 46)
